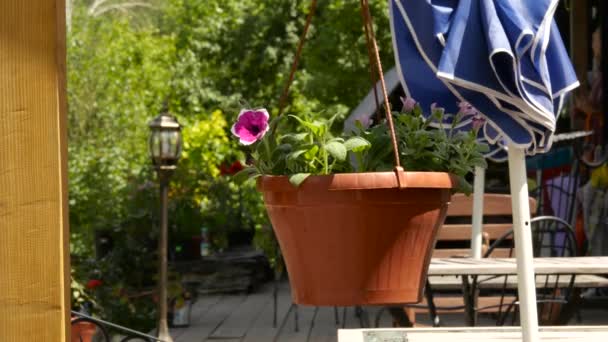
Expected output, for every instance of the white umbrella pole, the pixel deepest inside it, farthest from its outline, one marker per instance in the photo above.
(478, 191)
(523, 244)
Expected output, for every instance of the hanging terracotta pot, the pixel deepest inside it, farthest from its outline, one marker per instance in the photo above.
(358, 238)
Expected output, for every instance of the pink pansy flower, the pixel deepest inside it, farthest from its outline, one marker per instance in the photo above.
(478, 121)
(408, 104)
(466, 108)
(251, 125)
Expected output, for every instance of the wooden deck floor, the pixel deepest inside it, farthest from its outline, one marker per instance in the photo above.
(249, 318)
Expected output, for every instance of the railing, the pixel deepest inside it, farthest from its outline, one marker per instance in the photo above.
(100, 333)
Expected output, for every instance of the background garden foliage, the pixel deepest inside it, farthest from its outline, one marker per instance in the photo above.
(208, 58)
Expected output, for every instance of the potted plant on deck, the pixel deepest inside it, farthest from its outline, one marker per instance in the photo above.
(353, 226)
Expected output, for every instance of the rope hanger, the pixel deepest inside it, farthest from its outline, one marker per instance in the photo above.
(375, 69)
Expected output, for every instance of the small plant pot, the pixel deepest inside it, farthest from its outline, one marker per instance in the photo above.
(358, 238)
(83, 332)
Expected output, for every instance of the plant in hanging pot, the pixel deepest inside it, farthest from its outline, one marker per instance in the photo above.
(353, 226)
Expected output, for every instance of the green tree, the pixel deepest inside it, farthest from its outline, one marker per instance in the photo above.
(235, 52)
(118, 76)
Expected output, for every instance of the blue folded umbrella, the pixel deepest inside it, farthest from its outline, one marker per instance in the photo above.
(504, 57)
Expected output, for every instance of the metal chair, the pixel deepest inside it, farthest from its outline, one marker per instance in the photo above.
(551, 237)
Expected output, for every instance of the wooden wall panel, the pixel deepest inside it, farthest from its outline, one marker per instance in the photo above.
(34, 261)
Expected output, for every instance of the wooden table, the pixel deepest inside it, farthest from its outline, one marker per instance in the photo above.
(497, 266)
(582, 272)
(583, 281)
(502, 334)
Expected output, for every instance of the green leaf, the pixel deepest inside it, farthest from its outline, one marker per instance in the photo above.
(357, 144)
(479, 161)
(337, 150)
(298, 178)
(483, 148)
(298, 137)
(274, 123)
(245, 174)
(312, 152)
(315, 128)
(464, 186)
(294, 155)
(283, 148)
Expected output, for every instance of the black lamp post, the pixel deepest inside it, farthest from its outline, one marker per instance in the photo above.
(165, 146)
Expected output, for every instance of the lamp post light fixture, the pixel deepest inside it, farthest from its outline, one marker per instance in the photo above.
(165, 147)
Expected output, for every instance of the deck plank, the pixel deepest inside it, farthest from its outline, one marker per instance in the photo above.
(212, 315)
(262, 329)
(324, 327)
(235, 326)
(306, 315)
(199, 308)
(211, 319)
(349, 319)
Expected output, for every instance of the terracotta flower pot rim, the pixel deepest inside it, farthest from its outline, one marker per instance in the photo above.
(364, 181)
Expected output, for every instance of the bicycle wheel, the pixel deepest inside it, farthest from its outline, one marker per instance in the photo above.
(87, 330)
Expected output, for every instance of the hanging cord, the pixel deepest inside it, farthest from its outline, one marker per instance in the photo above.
(367, 20)
(372, 66)
(374, 59)
(296, 60)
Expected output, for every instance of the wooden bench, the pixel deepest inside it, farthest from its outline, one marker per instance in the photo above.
(453, 240)
(497, 213)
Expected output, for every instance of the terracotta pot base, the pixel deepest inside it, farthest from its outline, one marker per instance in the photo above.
(357, 239)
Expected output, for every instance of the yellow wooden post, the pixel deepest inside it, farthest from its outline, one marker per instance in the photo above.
(34, 256)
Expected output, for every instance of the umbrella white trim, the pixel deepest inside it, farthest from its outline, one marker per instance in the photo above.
(536, 85)
(547, 20)
(441, 38)
(562, 96)
(567, 89)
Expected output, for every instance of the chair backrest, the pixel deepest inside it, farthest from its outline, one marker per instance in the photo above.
(454, 237)
(551, 237)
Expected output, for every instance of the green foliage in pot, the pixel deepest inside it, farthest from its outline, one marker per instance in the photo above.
(313, 150)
